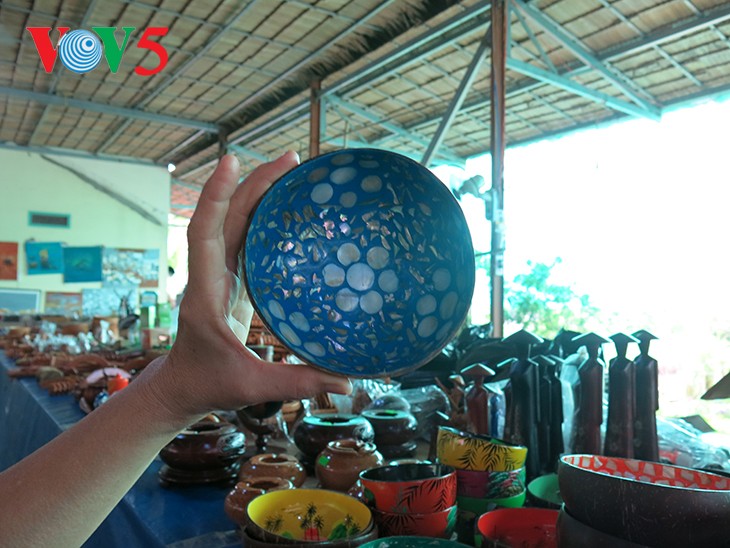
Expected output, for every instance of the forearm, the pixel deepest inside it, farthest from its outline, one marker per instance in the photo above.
(61, 493)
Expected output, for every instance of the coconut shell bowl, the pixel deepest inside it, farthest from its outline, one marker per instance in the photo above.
(361, 262)
(310, 515)
(647, 503)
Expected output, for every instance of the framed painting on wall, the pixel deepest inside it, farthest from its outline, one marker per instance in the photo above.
(82, 264)
(131, 266)
(20, 301)
(59, 303)
(44, 258)
(8, 260)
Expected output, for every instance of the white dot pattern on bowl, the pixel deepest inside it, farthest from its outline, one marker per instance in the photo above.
(361, 262)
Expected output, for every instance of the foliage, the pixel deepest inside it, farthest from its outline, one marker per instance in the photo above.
(538, 305)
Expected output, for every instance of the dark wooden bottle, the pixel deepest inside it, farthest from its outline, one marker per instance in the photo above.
(523, 412)
(621, 400)
(646, 442)
(588, 413)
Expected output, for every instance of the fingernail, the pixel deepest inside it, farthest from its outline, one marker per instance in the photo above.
(339, 385)
(287, 153)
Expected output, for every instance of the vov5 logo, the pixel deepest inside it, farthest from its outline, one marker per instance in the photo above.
(81, 50)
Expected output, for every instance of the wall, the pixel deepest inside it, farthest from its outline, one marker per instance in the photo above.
(32, 182)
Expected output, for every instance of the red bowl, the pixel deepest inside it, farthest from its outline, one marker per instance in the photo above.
(519, 527)
(436, 525)
(410, 488)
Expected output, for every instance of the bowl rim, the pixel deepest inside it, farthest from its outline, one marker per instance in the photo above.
(244, 274)
(564, 463)
(497, 512)
(294, 492)
(482, 437)
(448, 472)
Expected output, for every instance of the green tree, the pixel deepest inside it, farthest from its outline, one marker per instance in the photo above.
(542, 307)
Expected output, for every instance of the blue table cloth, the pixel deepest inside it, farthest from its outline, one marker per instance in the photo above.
(148, 515)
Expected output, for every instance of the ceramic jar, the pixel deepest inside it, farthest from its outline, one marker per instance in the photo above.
(392, 427)
(340, 463)
(205, 445)
(278, 465)
(315, 431)
(245, 491)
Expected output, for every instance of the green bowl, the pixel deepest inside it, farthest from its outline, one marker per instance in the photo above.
(480, 506)
(545, 492)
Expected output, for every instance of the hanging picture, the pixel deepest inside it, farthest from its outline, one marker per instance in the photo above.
(8, 261)
(20, 301)
(59, 303)
(110, 301)
(131, 266)
(44, 258)
(82, 264)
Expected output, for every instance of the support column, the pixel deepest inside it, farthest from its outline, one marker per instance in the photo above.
(222, 142)
(314, 118)
(497, 93)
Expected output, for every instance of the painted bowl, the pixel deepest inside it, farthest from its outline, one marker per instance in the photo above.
(468, 451)
(480, 506)
(574, 534)
(523, 527)
(412, 542)
(490, 485)
(361, 262)
(410, 488)
(312, 515)
(367, 536)
(646, 502)
(544, 492)
(435, 524)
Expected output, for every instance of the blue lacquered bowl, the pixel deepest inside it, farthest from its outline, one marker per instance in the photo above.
(361, 262)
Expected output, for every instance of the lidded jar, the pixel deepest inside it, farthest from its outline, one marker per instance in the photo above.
(278, 465)
(245, 491)
(339, 464)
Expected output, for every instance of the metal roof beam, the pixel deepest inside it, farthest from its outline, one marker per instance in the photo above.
(456, 101)
(180, 70)
(309, 58)
(48, 99)
(390, 126)
(572, 44)
(74, 153)
(579, 89)
(57, 75)
(248, 152)
(470, 20)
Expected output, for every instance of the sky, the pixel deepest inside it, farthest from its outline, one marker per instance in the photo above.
(638, 211)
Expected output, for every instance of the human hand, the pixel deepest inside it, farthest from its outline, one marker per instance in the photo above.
(209, 367)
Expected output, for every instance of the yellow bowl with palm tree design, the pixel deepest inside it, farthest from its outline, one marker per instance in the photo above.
(467, 451)
(307, 515)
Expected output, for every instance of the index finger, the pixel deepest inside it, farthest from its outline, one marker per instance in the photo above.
(207, 261)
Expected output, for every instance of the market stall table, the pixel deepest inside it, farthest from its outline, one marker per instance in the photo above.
(148, 515)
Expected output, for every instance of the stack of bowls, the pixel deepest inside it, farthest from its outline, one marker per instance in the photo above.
(611, 501)
(489, 471)
(412, 499)
(307, 517)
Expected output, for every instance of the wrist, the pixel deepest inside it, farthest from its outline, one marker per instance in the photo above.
(164, 396)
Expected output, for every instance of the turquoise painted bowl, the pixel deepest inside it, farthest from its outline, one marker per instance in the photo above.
(361, 262)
